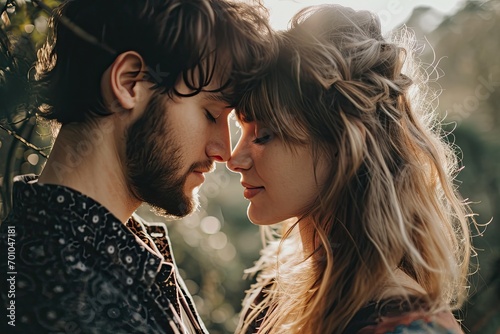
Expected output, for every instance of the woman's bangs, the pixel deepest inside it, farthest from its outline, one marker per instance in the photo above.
(274, 104)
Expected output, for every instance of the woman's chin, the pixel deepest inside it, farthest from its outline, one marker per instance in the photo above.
(261, 217)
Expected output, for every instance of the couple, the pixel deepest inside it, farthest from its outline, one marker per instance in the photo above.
(336, 144)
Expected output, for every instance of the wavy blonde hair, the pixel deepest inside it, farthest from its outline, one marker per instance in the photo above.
(361, 103)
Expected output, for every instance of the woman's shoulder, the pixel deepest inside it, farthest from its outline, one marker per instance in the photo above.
(415, 323)
(402, 317)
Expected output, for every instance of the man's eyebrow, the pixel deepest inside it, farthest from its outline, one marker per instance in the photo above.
(216, 97)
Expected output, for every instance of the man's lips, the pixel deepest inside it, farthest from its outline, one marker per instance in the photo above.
(204, 170)
(251, 190)
(201, 173)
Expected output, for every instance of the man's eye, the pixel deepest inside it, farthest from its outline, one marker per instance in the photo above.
(210, 117)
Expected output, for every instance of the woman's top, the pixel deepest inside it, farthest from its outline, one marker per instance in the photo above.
(398, 316)
(393, 316)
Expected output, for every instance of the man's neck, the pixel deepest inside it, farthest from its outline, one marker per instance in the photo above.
(86, 158)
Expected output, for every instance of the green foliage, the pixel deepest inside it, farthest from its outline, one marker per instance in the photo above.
(467, 45)
(22, 30)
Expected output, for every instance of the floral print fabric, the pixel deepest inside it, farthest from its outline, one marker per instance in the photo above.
(81, 270)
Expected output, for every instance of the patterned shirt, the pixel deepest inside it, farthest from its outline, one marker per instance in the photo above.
(77, 269)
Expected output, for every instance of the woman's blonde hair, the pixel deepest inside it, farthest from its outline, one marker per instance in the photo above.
(389, 201)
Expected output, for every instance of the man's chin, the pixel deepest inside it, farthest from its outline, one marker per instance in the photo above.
(178, 211)
(194, 203)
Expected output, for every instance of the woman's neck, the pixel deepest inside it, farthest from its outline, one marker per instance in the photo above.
(306, 229)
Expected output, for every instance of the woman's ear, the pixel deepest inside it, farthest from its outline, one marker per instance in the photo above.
(122, 82)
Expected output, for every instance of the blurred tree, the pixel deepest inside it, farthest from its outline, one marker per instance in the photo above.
(23, 143)
(480, 184)
(467, 45)
(464, 52)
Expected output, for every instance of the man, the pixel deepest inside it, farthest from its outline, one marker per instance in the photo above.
(142, 90)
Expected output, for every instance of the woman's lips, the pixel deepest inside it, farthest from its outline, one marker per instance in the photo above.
(250, 190)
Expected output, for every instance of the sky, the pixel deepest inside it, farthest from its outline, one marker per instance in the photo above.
(391, 12)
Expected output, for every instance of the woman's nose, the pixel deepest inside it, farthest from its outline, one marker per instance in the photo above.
(240, 159)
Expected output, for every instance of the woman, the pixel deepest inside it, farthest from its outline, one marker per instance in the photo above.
(338, 143)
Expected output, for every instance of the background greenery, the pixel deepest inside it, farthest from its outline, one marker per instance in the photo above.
(215, 245)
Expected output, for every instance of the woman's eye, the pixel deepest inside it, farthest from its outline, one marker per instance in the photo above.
(263, 136)
(210, 117)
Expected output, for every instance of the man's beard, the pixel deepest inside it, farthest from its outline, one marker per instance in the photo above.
(154, 163)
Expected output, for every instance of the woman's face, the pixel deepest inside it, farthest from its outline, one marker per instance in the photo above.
(278, 181)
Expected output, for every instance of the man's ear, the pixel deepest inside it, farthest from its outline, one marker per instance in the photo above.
(122, 82)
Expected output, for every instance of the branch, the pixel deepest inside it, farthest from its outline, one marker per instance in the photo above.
(25, 142)
(76, 29)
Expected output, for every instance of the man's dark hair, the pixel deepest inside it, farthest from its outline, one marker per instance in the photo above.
(190, 39)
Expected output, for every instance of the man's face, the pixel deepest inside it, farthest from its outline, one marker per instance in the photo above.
(172, 144)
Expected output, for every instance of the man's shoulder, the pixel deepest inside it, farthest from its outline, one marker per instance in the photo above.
(91, 303)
